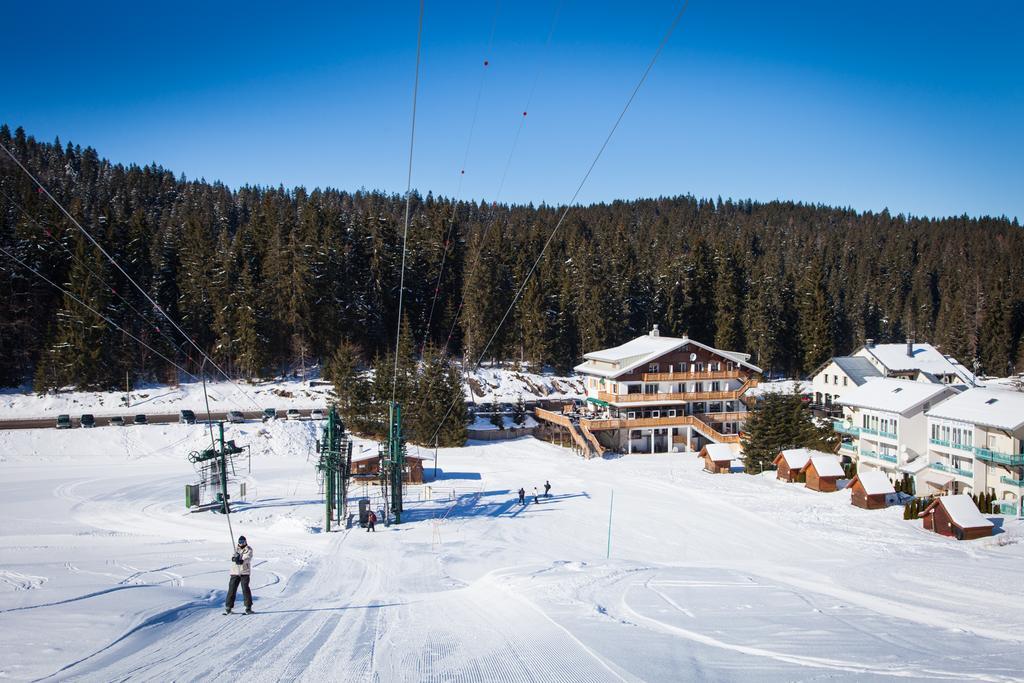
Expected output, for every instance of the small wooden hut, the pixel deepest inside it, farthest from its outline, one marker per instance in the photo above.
(956, 516)
(871, 490)
(822, 473)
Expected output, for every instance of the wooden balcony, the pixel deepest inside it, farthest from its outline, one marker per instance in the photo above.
(677, 397)
(692, 376)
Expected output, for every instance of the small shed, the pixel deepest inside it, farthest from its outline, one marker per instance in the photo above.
(366, 468)
(788, 463)
(956, 516)
(871, 490)
(717, 458)
(823, 472)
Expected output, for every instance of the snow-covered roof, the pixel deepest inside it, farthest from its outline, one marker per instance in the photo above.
(621, 359)
(962, 511)
(998, 408)
(376, 456)
(796, 458)
(858, 369)
(874, 482)
(893, 395)
(825, 465)
(720, 452)
(922, 357)
(914, 466)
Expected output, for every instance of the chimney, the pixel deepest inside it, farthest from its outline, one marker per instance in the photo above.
(869, 343)
(655, 332)
(910, 347)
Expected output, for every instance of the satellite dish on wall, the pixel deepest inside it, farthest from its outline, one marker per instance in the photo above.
(693, 356)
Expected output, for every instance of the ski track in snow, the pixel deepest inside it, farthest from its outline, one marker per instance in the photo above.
(712, 577)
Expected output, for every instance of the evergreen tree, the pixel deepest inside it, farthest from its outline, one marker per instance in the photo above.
(729, 296)
(815, 319)
(519, 412)
(497, 418)
(781, 421)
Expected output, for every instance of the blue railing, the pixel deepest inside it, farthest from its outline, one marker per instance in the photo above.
(1019, 483)
(1011, 459)
(939, 442)
(840, 426)
(942, 467)
(888, 435)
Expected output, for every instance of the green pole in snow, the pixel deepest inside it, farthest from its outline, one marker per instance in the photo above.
(611, 502)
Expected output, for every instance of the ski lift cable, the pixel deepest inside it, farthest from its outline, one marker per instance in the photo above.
(408, 200)
(88, 269)
(462, 176)
(110, 258)
(93, 310)
(501, 185)
(572, 201)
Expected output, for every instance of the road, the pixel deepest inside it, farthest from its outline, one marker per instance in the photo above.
(154, 418)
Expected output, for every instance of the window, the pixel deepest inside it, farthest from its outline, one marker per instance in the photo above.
(655, 413)
(672, 413)
(653, 367)
(700, 366)
(826, 379)
(730, 366)
(681, 387)
(650, 388)
(631, 415)
(844, 381)
(715, 386)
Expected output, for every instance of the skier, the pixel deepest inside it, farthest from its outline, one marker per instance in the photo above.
(536, 496)
(240, 570)
(522, 496)
(547, 489)
(371, 519)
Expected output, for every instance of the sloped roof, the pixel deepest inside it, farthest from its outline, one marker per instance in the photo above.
(720, 452)
(858, 369)
(795, 458)
(923, 357)
(874, 482)
(998, 408)
(962, 510)
(825, 465)
(636, 352)
(893, 395)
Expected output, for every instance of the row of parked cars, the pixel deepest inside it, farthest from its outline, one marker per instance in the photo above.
(184, 417)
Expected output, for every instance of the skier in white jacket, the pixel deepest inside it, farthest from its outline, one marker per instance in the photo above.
(241, 568)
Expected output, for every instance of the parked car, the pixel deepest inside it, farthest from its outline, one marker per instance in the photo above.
(63, 422)
(186, 417)
(140, 419)
(292, 414)
(87, 420)
(317, 414)
(117, 421)
(235, 417)
(269, 414)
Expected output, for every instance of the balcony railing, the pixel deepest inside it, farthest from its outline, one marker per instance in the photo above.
(878, 456)
(1019, 483)
(962, 446)
(868, 430)
(1011, 459)
(691, 376)
(888, 435)
(943, 467)
(1004, 508)
(840, 426)
(848, 446)
(938, 442)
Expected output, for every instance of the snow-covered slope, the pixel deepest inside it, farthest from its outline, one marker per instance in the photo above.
(104, 576)
(483, 386)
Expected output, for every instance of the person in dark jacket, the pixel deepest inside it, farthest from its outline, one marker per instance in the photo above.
(241, 568)
(522, 496)
(371, 519)
(547, 489)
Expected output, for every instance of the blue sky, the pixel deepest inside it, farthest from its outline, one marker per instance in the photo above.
(914, 106)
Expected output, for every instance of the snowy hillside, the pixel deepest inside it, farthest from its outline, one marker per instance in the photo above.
(105, 576)
(483, 386)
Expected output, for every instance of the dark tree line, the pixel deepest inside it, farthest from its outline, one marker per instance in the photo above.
(265, 278)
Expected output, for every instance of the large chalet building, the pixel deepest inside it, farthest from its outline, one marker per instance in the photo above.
(658, 394)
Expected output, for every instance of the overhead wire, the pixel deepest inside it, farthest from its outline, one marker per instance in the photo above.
(462, 176)
(572, 201)
(46, 231)
(113, 324)
(408, 200)
(110, 258)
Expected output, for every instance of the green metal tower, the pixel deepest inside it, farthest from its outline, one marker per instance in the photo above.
(335, 460)
(393, 461)
(220, 468)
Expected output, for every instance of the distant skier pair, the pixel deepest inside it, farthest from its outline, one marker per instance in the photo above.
(536, 496)
(241, 569)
